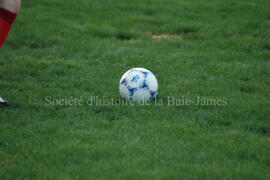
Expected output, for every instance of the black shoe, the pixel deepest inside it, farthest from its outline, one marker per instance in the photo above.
(3, 102)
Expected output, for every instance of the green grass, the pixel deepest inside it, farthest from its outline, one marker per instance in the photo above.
(65, 49)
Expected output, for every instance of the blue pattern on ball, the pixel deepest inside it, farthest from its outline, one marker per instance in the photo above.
(153, 93)
(135, 78)
(145, 73)
(124, 81)
(132, 90)
(144, 85)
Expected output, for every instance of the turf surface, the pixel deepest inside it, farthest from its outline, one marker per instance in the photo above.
(217, 50)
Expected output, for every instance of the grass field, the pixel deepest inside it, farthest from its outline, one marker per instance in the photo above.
(65, 49)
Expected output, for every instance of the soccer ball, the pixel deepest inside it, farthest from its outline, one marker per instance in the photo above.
(138, 84)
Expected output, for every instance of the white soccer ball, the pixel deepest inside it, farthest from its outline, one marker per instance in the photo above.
(138, 84)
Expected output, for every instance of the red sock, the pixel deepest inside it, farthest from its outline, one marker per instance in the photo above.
(6, 20)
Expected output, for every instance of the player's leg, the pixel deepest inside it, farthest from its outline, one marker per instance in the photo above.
(11, 5)
(3, 102)
(8, 13)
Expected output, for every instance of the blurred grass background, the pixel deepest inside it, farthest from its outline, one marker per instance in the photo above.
(63, 49)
